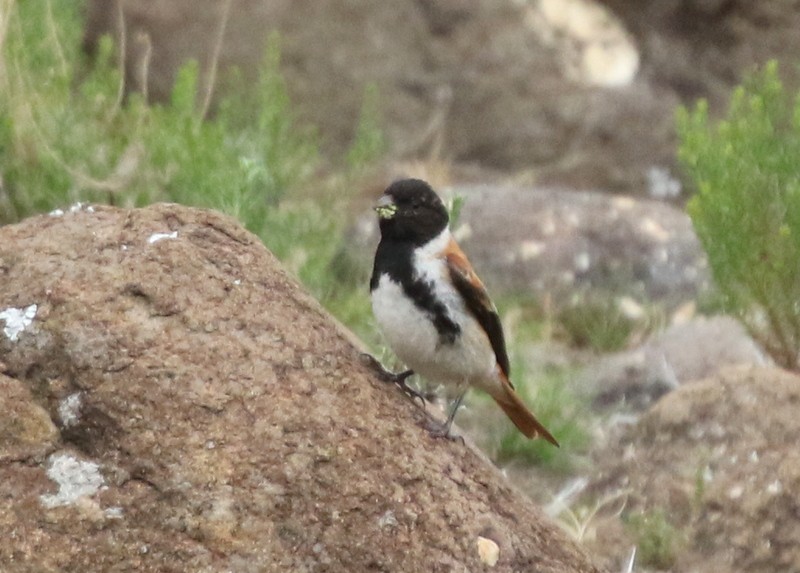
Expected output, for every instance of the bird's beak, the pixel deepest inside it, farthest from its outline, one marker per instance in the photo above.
(385, 207)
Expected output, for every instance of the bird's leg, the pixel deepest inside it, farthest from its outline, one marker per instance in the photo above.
(398, 378)
(443, 430)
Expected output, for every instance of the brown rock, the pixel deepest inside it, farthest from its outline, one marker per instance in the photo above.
(26, 430)
(701, 48)
(477, 81)
(718, 457)
(486, 82)
(211, 417)
(682, 353)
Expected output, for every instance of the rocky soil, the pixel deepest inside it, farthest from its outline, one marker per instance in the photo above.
(719, 458)
(170, 400)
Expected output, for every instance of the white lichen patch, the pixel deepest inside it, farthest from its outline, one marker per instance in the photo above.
(661, 184)
(582, 261)
(69, 409)
(75, 478)
(736, 492)
(78, 207)
(156, 237)
(654, 229)
(775, 487)
(623, 203)
(17, 320)
(113, 512)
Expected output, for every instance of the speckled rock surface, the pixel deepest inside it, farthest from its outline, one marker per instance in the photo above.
(719, 458)
(177, 403)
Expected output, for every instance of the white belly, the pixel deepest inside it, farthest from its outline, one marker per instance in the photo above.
(412, 336)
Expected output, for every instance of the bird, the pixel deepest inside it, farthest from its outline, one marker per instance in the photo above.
(433, 310)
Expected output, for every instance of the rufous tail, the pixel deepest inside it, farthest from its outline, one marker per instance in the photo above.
(519, 413)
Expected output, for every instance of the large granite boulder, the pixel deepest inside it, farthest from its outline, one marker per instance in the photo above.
(171, 400)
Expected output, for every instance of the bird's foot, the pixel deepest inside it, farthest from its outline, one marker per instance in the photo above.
(398, 378)
(439, 430)
(442, 430)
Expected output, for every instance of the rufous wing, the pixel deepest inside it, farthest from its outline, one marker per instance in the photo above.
(480, 305)
(477, 301)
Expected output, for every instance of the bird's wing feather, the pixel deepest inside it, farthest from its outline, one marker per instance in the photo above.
(477, 301)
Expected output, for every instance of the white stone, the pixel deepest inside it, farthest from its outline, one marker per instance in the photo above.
(156, 237)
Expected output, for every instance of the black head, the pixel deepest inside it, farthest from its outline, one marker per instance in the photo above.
(410, 210)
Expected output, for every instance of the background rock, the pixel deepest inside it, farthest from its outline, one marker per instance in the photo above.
(579, 93)
(700, 48)
(682, 353)
(719, 458)
(505, 84)
(178, 404)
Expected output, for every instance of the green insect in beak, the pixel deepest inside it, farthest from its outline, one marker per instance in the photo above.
(385, 207)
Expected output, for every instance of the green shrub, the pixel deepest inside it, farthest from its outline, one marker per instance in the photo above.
(746, 209)
(369, 143)
(66, 139)
(597, 323)
(66, 136)
(657, 540)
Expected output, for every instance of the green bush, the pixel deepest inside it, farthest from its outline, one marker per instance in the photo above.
(65, 139)
(68, 133)
(596, 322)
(746, 209)
(658, 541)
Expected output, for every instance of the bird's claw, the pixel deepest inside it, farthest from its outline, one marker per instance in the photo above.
(438, 430)
(398, 378)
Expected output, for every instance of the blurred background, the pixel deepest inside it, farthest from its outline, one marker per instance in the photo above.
(621, 174)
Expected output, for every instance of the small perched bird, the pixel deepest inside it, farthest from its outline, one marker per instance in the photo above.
(433, 309)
